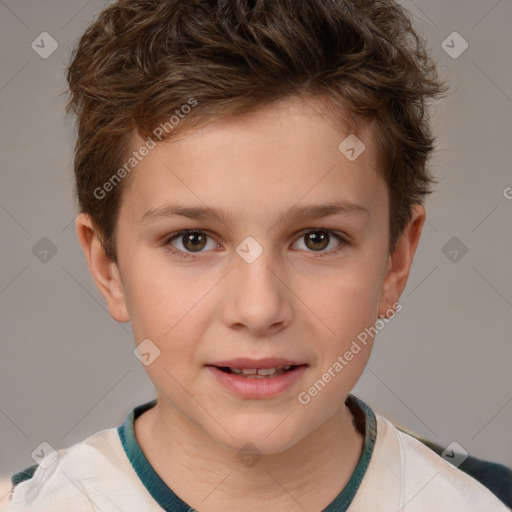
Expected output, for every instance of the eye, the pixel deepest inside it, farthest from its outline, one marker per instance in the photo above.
(192, 241)
(318, 239)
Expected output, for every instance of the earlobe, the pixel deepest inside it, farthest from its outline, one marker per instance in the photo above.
(104, 271)
(400, 262)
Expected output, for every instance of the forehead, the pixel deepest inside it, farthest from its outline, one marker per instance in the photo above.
(288, 153)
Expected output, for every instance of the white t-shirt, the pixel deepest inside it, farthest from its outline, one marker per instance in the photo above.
(108, 472)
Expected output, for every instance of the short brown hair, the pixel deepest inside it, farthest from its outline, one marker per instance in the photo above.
(142, 60)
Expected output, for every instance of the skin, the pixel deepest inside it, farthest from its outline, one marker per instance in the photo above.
(290, 302)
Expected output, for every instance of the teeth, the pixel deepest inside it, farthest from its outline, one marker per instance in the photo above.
(267, 371)
(259, 372)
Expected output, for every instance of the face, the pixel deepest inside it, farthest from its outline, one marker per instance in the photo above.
(270, 279)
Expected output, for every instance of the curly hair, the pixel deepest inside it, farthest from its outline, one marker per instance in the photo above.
(142, 60)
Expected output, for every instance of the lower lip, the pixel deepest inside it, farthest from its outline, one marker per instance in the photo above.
(266, 387)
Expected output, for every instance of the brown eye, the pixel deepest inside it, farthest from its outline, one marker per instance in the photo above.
(194, 241)
(317, 240)
(190, 242)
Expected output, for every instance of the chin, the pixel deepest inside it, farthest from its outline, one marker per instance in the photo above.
(266, 438)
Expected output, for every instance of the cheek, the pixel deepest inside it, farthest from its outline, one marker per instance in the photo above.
(348, 299)
(347, 312)
(168, 308)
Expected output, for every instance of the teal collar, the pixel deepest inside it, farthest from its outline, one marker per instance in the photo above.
(165, 497)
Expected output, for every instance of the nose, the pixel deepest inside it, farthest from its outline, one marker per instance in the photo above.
(260, 298)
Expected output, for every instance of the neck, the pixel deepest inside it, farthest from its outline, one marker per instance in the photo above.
(210, 477)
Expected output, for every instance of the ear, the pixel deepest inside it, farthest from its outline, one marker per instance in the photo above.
(400, 262)
(104, 271)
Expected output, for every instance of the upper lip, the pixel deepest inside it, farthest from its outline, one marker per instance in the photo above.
(269, 362)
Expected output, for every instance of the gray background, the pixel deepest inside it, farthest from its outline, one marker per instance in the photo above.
(441, 368)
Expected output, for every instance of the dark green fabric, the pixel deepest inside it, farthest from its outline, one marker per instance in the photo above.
(365, 422)
(148, 476)
(496, 477)
(21, 476)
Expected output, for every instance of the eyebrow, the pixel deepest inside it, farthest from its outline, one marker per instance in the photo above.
(315, 211)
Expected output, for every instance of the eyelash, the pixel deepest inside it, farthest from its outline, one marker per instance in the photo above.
(188, 256)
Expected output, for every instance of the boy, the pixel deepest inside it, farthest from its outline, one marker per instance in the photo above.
(251, 177)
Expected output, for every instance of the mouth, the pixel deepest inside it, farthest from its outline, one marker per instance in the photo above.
(258, 373)
(264, 368)
(257, 378)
